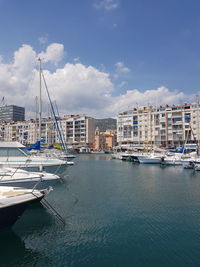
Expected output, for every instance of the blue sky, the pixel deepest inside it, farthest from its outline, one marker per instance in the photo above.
(141, 45)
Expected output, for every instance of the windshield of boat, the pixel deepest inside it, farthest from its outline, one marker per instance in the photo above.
(14, 152)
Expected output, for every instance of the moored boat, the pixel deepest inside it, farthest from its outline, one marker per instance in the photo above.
(188, 165)
(14, 201)
(22, 178)
(150, 158)
(15, 155)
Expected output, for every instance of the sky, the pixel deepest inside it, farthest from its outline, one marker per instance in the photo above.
(99, 57)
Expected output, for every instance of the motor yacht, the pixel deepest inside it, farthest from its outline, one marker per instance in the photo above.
(14, 201)
(15, 155)
(150, 159)
(26, 179)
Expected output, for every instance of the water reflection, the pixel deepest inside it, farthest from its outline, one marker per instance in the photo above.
(14, 251)
(117, 213)
(35, 218)
(96, 157)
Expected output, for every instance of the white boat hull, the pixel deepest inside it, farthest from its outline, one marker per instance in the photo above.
(13, 204)
(36, 166)
(172, 162)
(30, 183)
(21, 178)
(149, 160)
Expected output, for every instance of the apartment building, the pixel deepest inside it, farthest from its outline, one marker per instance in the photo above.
(77, 130)
(166, 126)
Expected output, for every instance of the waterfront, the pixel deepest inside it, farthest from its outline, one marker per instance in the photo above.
(117, 213)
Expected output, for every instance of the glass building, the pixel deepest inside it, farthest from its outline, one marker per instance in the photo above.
(12, 113)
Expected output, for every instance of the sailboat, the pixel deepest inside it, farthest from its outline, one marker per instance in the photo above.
(15, 155)
(62, 154)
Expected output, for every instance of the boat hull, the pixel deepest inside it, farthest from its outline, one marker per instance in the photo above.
(56, 169)
(30, 183)
(150, 160)
(10, 214)
(172, 162)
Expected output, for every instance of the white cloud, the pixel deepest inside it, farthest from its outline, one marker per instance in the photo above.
(76, 59)
(122, 84)
(156, 97)
(121, 68)
(43, 39)
(76, 88)
(24, 61)
(54, 53)
(106, 4)
(1, 59)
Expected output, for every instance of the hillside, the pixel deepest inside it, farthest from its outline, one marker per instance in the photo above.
(106, 124)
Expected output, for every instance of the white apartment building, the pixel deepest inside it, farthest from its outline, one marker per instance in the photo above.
(77, 130)
(166, 126)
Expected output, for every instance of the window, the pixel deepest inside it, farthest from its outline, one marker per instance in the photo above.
(13, 152)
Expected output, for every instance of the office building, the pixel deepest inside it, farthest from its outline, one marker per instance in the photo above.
(12, 113)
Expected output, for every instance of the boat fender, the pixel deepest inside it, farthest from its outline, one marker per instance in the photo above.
(40, 168)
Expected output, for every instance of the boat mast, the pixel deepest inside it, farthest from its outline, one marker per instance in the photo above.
(197, 100)
(40, 99)
(54, 114)
(36, 119)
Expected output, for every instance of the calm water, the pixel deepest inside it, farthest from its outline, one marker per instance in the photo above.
(117, 213)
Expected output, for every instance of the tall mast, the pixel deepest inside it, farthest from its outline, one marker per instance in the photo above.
(36, 119)
(40, 99)
(198, 149)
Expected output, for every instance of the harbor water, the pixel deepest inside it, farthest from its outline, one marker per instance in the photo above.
(117, 214)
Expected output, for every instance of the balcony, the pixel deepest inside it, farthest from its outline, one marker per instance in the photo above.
(178, 132)
(163, 119)
(177, 115)
(177, 122)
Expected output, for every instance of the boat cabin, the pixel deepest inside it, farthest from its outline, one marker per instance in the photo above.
(13, 149)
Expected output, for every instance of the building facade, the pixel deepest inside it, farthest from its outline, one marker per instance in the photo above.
(167, 126)
(12, 113)
(77, 130)
(104, 140)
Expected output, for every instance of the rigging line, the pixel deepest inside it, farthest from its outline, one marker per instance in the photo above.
(15, 169)
(47, 205)
(37, 183)
(65, 148)
(76, 199)
(53, 210)
(53, 111)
